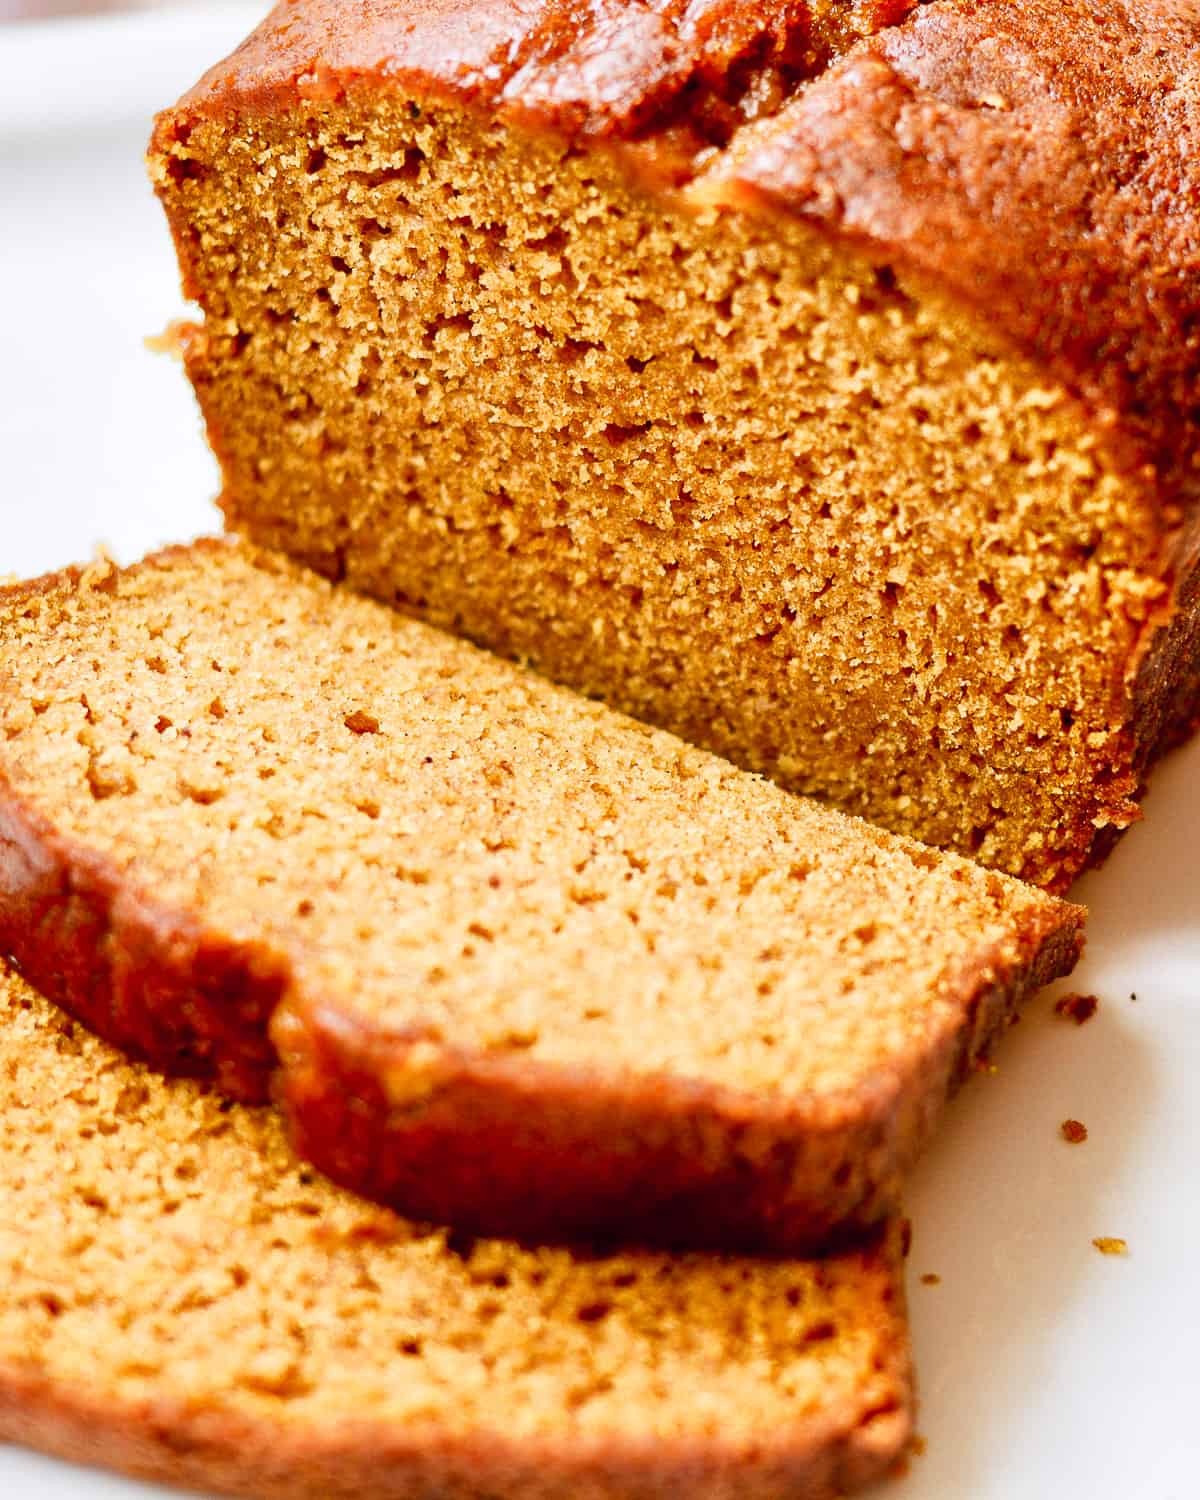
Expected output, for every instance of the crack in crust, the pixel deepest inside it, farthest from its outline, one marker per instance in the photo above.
(683, 75)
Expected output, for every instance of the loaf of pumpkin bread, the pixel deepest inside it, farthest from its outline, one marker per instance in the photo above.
(185, 1301)
(818, 381)
(527, 966)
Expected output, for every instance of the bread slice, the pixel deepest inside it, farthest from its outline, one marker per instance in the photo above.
(180, 1298)
(530, 967)
(829, 400)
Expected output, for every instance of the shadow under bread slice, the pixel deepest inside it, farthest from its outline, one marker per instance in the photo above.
(182, 1299)
(529, 967)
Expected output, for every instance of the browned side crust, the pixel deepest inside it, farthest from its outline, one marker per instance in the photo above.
(532, 1152)
(147, 979)
(153, 982)
(1166, 696)
(178, 1443)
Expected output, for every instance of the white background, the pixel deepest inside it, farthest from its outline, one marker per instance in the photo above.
(1048, 1372)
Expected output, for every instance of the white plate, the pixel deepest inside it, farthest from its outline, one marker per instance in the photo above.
(1048, 1372)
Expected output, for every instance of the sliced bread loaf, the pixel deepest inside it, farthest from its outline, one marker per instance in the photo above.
(530, 967)
(180, 1298)
(827, 398)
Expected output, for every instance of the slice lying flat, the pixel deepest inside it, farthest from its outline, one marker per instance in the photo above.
(182, 1299)
(528, 966)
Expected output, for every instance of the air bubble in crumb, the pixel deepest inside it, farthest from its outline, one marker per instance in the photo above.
(204, 794)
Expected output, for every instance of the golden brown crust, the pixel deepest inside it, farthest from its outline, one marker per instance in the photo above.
(146, 978)
(138, 974)
(173, 1442)
(503, 1142)
(1165, 677)
(606, 70)
(508, 1146)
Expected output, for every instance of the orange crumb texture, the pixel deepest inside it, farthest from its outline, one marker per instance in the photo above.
(1109, 1246)
(1074, 1131)
(1077, 1008)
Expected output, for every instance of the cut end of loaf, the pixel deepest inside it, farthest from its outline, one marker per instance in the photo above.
(737, 477)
